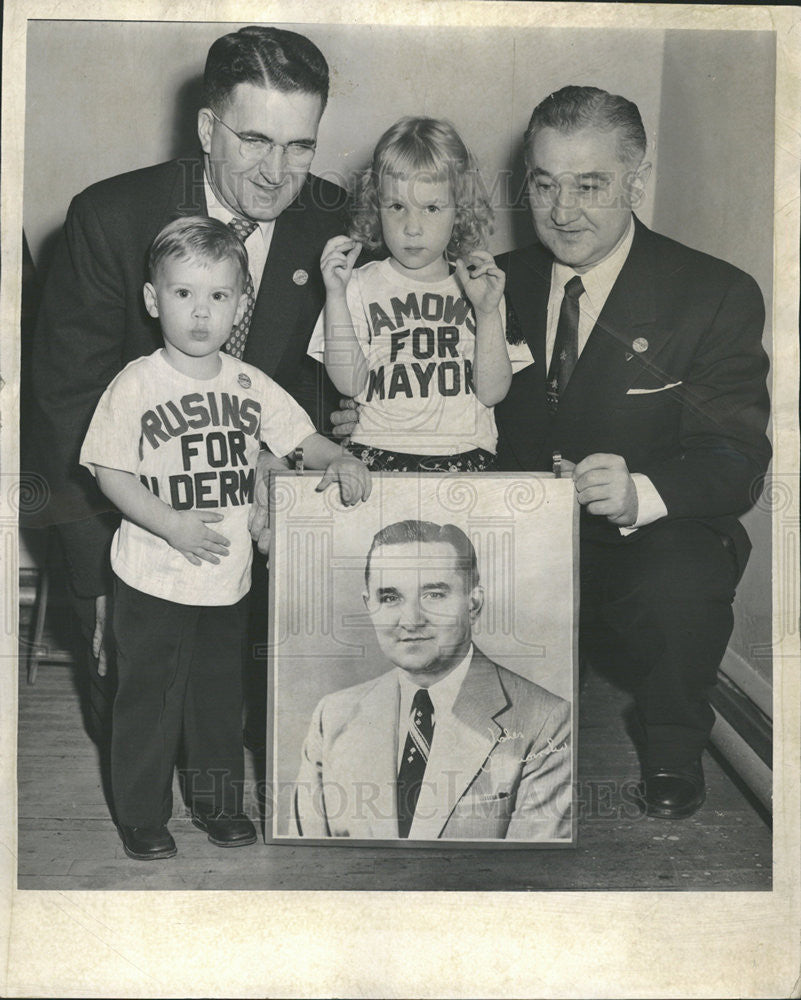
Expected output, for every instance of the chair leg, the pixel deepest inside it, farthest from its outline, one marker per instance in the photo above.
(36, 650)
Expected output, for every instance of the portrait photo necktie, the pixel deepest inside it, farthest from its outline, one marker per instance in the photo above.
(415, 758)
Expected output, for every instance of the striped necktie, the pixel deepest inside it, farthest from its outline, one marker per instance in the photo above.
(565, 348)
(235, 345)
(415, 758)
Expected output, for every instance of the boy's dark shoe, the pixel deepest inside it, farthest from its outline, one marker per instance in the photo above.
(147, 843)
(224, 831)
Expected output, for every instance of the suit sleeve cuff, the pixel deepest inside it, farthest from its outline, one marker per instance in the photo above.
(650, 505)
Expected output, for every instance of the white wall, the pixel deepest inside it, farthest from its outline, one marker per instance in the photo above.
(105, 97)
(715, 193)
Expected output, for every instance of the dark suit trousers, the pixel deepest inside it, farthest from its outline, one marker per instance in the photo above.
(180, 674)
(656, 614)
(97, 692)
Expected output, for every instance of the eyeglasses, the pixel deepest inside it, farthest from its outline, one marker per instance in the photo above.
(255, 148)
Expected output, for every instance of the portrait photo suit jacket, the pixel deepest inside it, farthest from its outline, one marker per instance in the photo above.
(673, 378)
(92, 322)
(500, 766)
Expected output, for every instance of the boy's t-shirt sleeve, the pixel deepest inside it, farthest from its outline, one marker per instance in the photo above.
(284, 423)
(114, 436)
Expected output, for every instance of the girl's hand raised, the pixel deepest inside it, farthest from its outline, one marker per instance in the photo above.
(482, 281)
(339, 256)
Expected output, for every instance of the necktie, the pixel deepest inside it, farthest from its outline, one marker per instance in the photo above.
(565, 348)
(415, 758)
(235, 345)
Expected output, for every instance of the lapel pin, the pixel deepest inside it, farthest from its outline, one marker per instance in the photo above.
(243, 380)
(629, 356)
(300, 277)
(640, 345)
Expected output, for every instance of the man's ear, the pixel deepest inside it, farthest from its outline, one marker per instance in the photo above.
(205, 126)
(151, 302)
(638, 179)
(476, 603)
(366, 599)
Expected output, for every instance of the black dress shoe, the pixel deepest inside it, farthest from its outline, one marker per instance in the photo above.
(673, 792)
(147, 843)
(224, 831)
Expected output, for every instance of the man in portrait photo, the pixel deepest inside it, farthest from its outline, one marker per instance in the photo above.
(446, 744)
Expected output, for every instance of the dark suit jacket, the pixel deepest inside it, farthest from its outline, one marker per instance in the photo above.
(500, 766)
(702, 442)
(92, 322)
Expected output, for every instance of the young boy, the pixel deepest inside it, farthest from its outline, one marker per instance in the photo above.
(174, 444)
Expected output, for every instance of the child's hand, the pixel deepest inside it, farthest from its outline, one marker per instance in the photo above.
(103, 618)
(188, 532)
(259, 514)
(484, 284)
(353, 477)
(345, 419)
(336, 263)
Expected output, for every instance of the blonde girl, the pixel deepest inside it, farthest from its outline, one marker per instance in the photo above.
(417, 339)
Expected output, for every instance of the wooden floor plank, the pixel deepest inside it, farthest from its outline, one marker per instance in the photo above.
(68, 841)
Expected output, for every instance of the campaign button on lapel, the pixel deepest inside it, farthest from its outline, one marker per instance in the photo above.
(640, 345)
(300, 277)
(243, 380)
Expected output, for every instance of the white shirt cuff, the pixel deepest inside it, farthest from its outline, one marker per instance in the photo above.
(650, 505)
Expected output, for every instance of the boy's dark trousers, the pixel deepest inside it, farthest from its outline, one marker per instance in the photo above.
(179, 674)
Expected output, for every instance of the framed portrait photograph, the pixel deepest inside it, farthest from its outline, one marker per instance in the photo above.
(422, 659)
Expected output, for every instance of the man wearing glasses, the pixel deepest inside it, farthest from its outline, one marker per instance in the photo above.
(265, 90)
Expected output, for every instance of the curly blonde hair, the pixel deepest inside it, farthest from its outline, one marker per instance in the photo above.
(431, 146)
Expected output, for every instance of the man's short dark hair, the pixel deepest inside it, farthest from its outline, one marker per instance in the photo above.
(573, 108)
(266, 57)
(403, 532)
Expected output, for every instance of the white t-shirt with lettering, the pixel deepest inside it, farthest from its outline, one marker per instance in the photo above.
(419, 341)
(194, 443)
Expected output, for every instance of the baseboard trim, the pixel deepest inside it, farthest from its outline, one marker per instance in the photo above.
(753, 685)
(753, 771)
(753, 727)
(743, 731)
